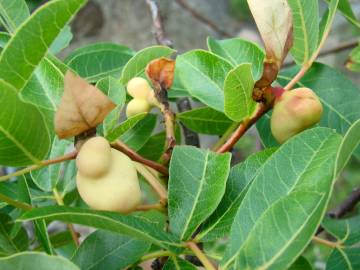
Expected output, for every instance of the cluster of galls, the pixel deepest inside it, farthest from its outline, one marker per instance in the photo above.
(106, 178)
(294, 111)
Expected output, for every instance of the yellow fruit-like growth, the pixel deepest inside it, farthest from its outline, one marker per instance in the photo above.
(138, 88)
(143, 94)
(106, 178)
(295, 111)
(137, 106)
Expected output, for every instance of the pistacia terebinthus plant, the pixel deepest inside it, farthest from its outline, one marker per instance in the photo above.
(294, 111)
(106, 178)
(143, 97)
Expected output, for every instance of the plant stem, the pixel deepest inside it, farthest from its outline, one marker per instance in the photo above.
(156, 254)
(60, 201)
(153, 182)
(201, 256)
(42, 164)
(148, 207)
(118, 145)
(243, 127)
(225, 136)
(325, 242)
(17, 204)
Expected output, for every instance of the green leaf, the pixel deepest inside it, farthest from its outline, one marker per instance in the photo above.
(353, 63)
(350, 142)
(196, 185)
(348, 13)
(327, 20)
(203, 74)
(306, 30)
(24, 137)
(239, 51)
(137, 227)
(339, 96)
(239, 85)
(301, 264)
(136, 137)
(13, 13)
(110, 251)
(10, 244)
(205, 120)
(128, 124)
(62, 41)
(347, 232)
(301, 182)
(47, 178)
(36, 261)
(175, 263)
(240, 178)
(96, 61)
(137, 64)
(31, 41)
(117, 93)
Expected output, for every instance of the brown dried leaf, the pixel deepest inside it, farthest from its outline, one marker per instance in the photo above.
(82, 107)
(274, 21)
(161, 72)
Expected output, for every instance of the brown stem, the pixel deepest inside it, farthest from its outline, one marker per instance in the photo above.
(326, 242)
(169, 122)
(118, 145)
(42, 164)
(203, 19)
(347, 206)
(158, 24)
(243, 127)
(201, 256)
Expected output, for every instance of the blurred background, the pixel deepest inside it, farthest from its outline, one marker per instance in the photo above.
(188, 23)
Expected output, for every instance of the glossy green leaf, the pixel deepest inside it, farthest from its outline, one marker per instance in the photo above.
(339, 95)
(306, 29)
(196, 185)
(297, 195)
(240, 178)
(31, 41)
(96, 61)
(353, 62)
(347, 232)
(239, 51)
(175, 263)
(136, 137)
(117, 93)
(13, 13)
(238, 88)
(24, 137)
(128, 124)
(301, 264)
(327, 20)
(9, 243)
(205, 120)
(203, 74)
(62, 41)
(137, 64)
(36, 261)
(110, 251)
(137, 227)
(47, 178)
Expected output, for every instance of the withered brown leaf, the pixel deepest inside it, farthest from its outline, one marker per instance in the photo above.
(81, 108)
(161, 72)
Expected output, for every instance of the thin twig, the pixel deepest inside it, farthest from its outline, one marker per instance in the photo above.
(342, 47)
(71, 228)
(118, 145)
(201, 256)
(153, 182)
(326, 242)
(243, 127)
(159, 31)
(17, 204)
(347, 206)
(149, 207)
(203, 19)
(42, 164)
